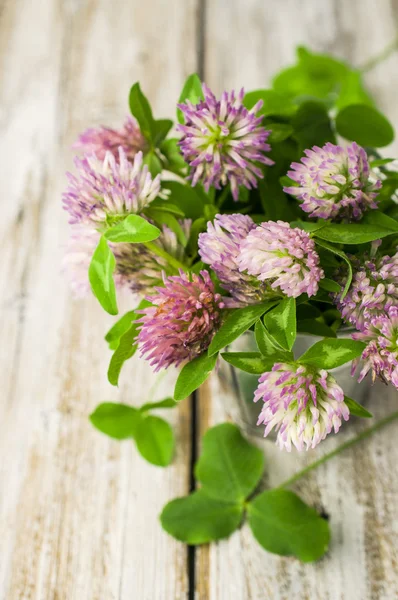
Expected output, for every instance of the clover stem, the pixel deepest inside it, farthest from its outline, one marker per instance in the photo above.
(163, 254)
(358, 438)
(379, 58)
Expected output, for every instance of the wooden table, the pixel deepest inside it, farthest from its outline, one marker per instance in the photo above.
(78, 511)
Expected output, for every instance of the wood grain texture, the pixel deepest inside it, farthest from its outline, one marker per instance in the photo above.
(78, 512)
(74, 521)
(356, 490)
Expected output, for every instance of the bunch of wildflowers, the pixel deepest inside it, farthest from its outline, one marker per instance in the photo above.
(256, 264)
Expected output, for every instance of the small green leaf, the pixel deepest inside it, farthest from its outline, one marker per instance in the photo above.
(229, 468)
(356, 409)
(274, 103)
(267, 347)
(197, 227)
(280, 323)
(186, 198)
(198, 519)
(119, 328)
(380, 162)
(167, 206)
(127, 346)
(166, 403)
(155, 440)
(307, 311)
(342, 255)
(315, 327)
(329, 285)
(133, 230)
(312, 125)
(283, 524)
(162, 217)
(263, 340)
(141, 110)
(316, 75)
(352, 233)
(154, 164)
(364, 125)
(236, 323)
(100, 274)
(126, 349)
(193, 374)
(331, 353)
(161, 128)
(279, 132)
(191, 91)
(174, 160)
(352, 91)
(379, 219)
(251, 362)
(119, 421)
(307, 226)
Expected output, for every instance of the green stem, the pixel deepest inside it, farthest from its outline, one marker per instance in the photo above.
(373, 62)
(163, 254)
(155, 385)
(361, 436)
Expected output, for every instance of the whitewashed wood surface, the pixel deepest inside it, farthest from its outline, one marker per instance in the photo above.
(79, 512)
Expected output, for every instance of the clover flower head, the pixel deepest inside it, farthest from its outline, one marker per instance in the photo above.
(183, 318)
(334, 183)
(380, 356)
(303, 405)
(108, 189)
(137, 268)
(219, 247)
(223, 141)
(283, 256)
(373, 290)
(100, 140)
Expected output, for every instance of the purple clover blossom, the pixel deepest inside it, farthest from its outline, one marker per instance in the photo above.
(373, 290)
(219, 247)
(137, 268)
(224, 141)
(283, 256)
(333, 182)
(381, 353)
(182, 321)
(303, 404)
(100, 140)
(109, 189)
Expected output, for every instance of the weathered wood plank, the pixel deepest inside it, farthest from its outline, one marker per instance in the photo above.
(78, 512)
(356, 490)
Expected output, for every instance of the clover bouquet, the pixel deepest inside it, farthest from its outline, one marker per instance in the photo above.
(270, 211)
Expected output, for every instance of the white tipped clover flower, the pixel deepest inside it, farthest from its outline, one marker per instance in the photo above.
(303, 405)
(373, 290)
(380, 356)
(109, 188)
(333, 182)
(223, 141)
(219, 247)
(283, 256)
